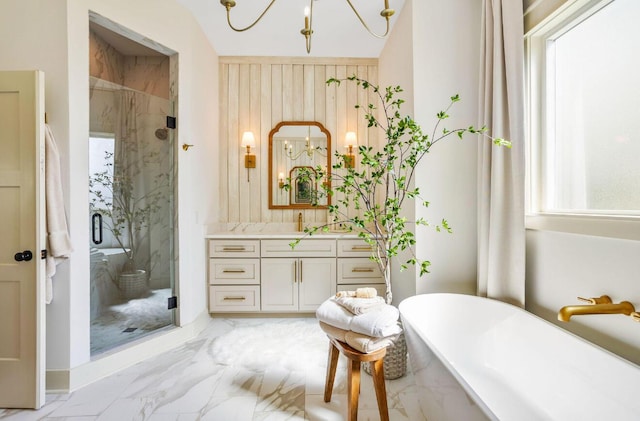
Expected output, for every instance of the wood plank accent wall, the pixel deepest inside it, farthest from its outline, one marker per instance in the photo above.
(256, 93)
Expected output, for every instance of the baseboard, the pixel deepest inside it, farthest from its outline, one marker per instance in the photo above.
(65, 381)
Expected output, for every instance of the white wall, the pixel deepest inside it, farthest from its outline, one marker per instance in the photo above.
(53, 36)
(562, 266)
(442, 49)
(395, 68)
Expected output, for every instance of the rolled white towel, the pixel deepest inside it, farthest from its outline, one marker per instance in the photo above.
(334, 314)
(364, 292)
(380, 322)
(367, 344)
(360, 305)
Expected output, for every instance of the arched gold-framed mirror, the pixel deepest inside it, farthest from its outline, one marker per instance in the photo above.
(294, 145)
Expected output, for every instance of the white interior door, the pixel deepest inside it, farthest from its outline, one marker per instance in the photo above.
(22, 232)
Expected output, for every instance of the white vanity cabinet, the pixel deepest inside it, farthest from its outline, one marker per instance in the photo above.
(234, 275)
(356, 269)
(265, 274)
(297, 279)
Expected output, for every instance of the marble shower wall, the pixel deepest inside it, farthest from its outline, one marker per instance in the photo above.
(149, 74)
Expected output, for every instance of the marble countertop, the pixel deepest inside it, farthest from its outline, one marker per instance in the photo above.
(269, 230)
(283, 235)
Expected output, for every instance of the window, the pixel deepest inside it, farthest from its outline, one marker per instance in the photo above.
(101, 151)
(584, 101)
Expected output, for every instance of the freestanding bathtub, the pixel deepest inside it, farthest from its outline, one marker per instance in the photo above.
(475, 358)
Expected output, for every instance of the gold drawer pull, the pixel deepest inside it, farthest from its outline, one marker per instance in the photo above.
(233, 271)
(362, 270)
(234, 298)
(361, 248)
(233, 248)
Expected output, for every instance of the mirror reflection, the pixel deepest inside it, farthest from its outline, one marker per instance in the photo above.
(294, 148)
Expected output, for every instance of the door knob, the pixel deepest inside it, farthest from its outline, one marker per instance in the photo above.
(25, 255)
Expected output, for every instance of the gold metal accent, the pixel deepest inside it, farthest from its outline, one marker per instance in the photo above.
(46, 119)
(356, 270)
(300, 271)
(295, 271)
(603, 299)
(635, 316)
(624, 307)
(186, 146)
(307, 31)
(233, 271)
(233, 248)
(228, 4)
(300, 228)
(386, 13)
(349, 158)
(361, 248)
(234, 298)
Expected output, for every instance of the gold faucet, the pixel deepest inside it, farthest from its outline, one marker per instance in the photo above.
(600, 305)
(300, 221)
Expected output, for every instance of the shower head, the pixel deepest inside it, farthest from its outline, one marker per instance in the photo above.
(162, 133)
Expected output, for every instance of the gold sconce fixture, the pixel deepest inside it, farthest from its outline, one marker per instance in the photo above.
(350, 141)
(281, 180)
(248, 141)
(307, 31)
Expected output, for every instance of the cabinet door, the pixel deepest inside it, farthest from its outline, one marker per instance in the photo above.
(279, 284)
(317, 282)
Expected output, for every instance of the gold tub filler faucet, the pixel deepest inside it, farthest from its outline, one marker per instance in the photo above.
(598, 305)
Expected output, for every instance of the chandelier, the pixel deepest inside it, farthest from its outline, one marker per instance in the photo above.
(307, 31)
(308, 149)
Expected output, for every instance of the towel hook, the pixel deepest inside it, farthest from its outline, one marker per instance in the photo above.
(186, 146)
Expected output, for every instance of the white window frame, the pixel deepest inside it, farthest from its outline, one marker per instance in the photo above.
(536, 42)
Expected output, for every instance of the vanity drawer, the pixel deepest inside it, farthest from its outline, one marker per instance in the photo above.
(234, 271)
(234, 248)
(305, 248)
(353, 248)
(360, 270)
(234, 298)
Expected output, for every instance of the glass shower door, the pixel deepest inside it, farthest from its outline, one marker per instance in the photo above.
(131, 200)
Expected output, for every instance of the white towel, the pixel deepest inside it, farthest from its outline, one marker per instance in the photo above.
(367, 344)
(334, 314)
(58, 241)
(358, 341)
(334, 332)
(380, 322)
(359, 305)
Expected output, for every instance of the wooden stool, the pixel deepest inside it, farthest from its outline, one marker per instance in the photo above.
(353, 377)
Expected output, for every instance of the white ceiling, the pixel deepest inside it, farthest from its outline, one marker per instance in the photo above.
(337, 30)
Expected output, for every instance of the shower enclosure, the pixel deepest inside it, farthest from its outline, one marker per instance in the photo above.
(131, 193)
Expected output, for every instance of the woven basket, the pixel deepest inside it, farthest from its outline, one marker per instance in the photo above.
(395, 361)
(133, 285)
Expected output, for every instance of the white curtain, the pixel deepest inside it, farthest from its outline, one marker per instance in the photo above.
(501, 235)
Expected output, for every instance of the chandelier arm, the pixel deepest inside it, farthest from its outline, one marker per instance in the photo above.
(365, 24)
(308, 37)
(253, 24)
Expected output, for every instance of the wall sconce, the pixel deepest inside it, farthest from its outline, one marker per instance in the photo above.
(281, 180)
(350, 141)
(248, 141)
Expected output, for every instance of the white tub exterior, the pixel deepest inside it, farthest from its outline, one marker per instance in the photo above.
(475, 358)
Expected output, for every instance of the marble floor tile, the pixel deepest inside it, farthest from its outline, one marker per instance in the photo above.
(265, 369)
